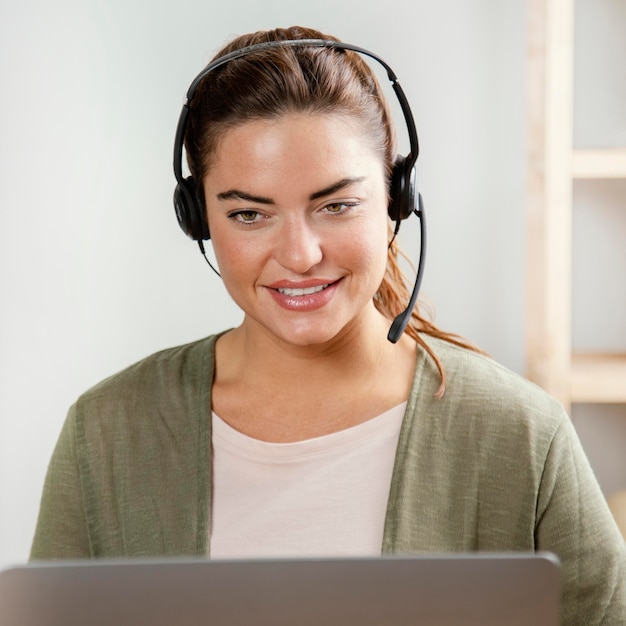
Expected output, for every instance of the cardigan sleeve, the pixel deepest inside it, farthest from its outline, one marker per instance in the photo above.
(573, 521)
(61, 531)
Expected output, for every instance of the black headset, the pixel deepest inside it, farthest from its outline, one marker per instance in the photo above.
(404, 196)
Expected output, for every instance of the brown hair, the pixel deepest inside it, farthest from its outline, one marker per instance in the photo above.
(274, 81)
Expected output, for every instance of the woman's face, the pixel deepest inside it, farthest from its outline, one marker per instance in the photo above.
(297, 210)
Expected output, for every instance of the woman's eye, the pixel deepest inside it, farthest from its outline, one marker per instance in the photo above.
(338, 207)
(245, 217)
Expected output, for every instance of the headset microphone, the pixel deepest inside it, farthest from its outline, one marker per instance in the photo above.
(400, 322)
(404, 197)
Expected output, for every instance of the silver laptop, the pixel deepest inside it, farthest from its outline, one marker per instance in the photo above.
(438, 590)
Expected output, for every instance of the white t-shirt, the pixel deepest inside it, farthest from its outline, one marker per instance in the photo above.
(325, 496)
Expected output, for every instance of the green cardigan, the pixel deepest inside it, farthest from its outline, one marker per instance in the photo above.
(494, 465)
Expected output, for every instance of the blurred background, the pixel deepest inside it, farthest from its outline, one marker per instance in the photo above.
(95, 273)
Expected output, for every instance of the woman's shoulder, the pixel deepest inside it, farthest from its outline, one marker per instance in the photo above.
(481, 390)
(157, 378)
(470, 372)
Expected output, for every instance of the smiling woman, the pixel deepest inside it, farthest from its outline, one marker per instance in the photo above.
(304, 431)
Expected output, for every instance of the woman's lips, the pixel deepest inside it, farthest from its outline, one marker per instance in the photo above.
(303, 296)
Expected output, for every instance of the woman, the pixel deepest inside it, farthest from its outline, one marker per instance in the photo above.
(304, 431)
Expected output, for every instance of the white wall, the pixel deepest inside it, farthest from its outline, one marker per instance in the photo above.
(94, 272)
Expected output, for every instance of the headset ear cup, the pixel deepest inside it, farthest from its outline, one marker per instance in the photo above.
(395, 189)
(190, 211)
(401, 190)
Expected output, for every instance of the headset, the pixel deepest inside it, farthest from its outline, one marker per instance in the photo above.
(405, 199)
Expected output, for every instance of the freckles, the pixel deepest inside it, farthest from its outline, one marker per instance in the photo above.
(241, 260)
(370, 249)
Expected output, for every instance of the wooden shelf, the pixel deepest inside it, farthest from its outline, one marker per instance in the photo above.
(598, 378)
(553, 166)
(606, 163)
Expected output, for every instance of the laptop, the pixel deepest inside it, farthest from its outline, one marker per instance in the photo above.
(437, 590)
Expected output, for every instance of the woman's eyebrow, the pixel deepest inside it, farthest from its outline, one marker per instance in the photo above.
(243, 195)
(238, 194)
(344, 182)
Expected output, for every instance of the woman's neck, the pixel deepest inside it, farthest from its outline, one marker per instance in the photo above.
(277, 391)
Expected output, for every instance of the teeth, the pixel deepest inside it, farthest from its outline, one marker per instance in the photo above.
(302, 292)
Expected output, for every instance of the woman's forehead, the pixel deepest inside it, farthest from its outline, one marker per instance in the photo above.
(293, 132)
(318, 147)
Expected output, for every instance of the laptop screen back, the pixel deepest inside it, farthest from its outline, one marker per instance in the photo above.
(438, 590)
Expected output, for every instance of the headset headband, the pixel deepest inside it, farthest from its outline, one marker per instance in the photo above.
(179, 140)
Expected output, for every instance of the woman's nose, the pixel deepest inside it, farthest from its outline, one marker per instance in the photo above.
(298, 247)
